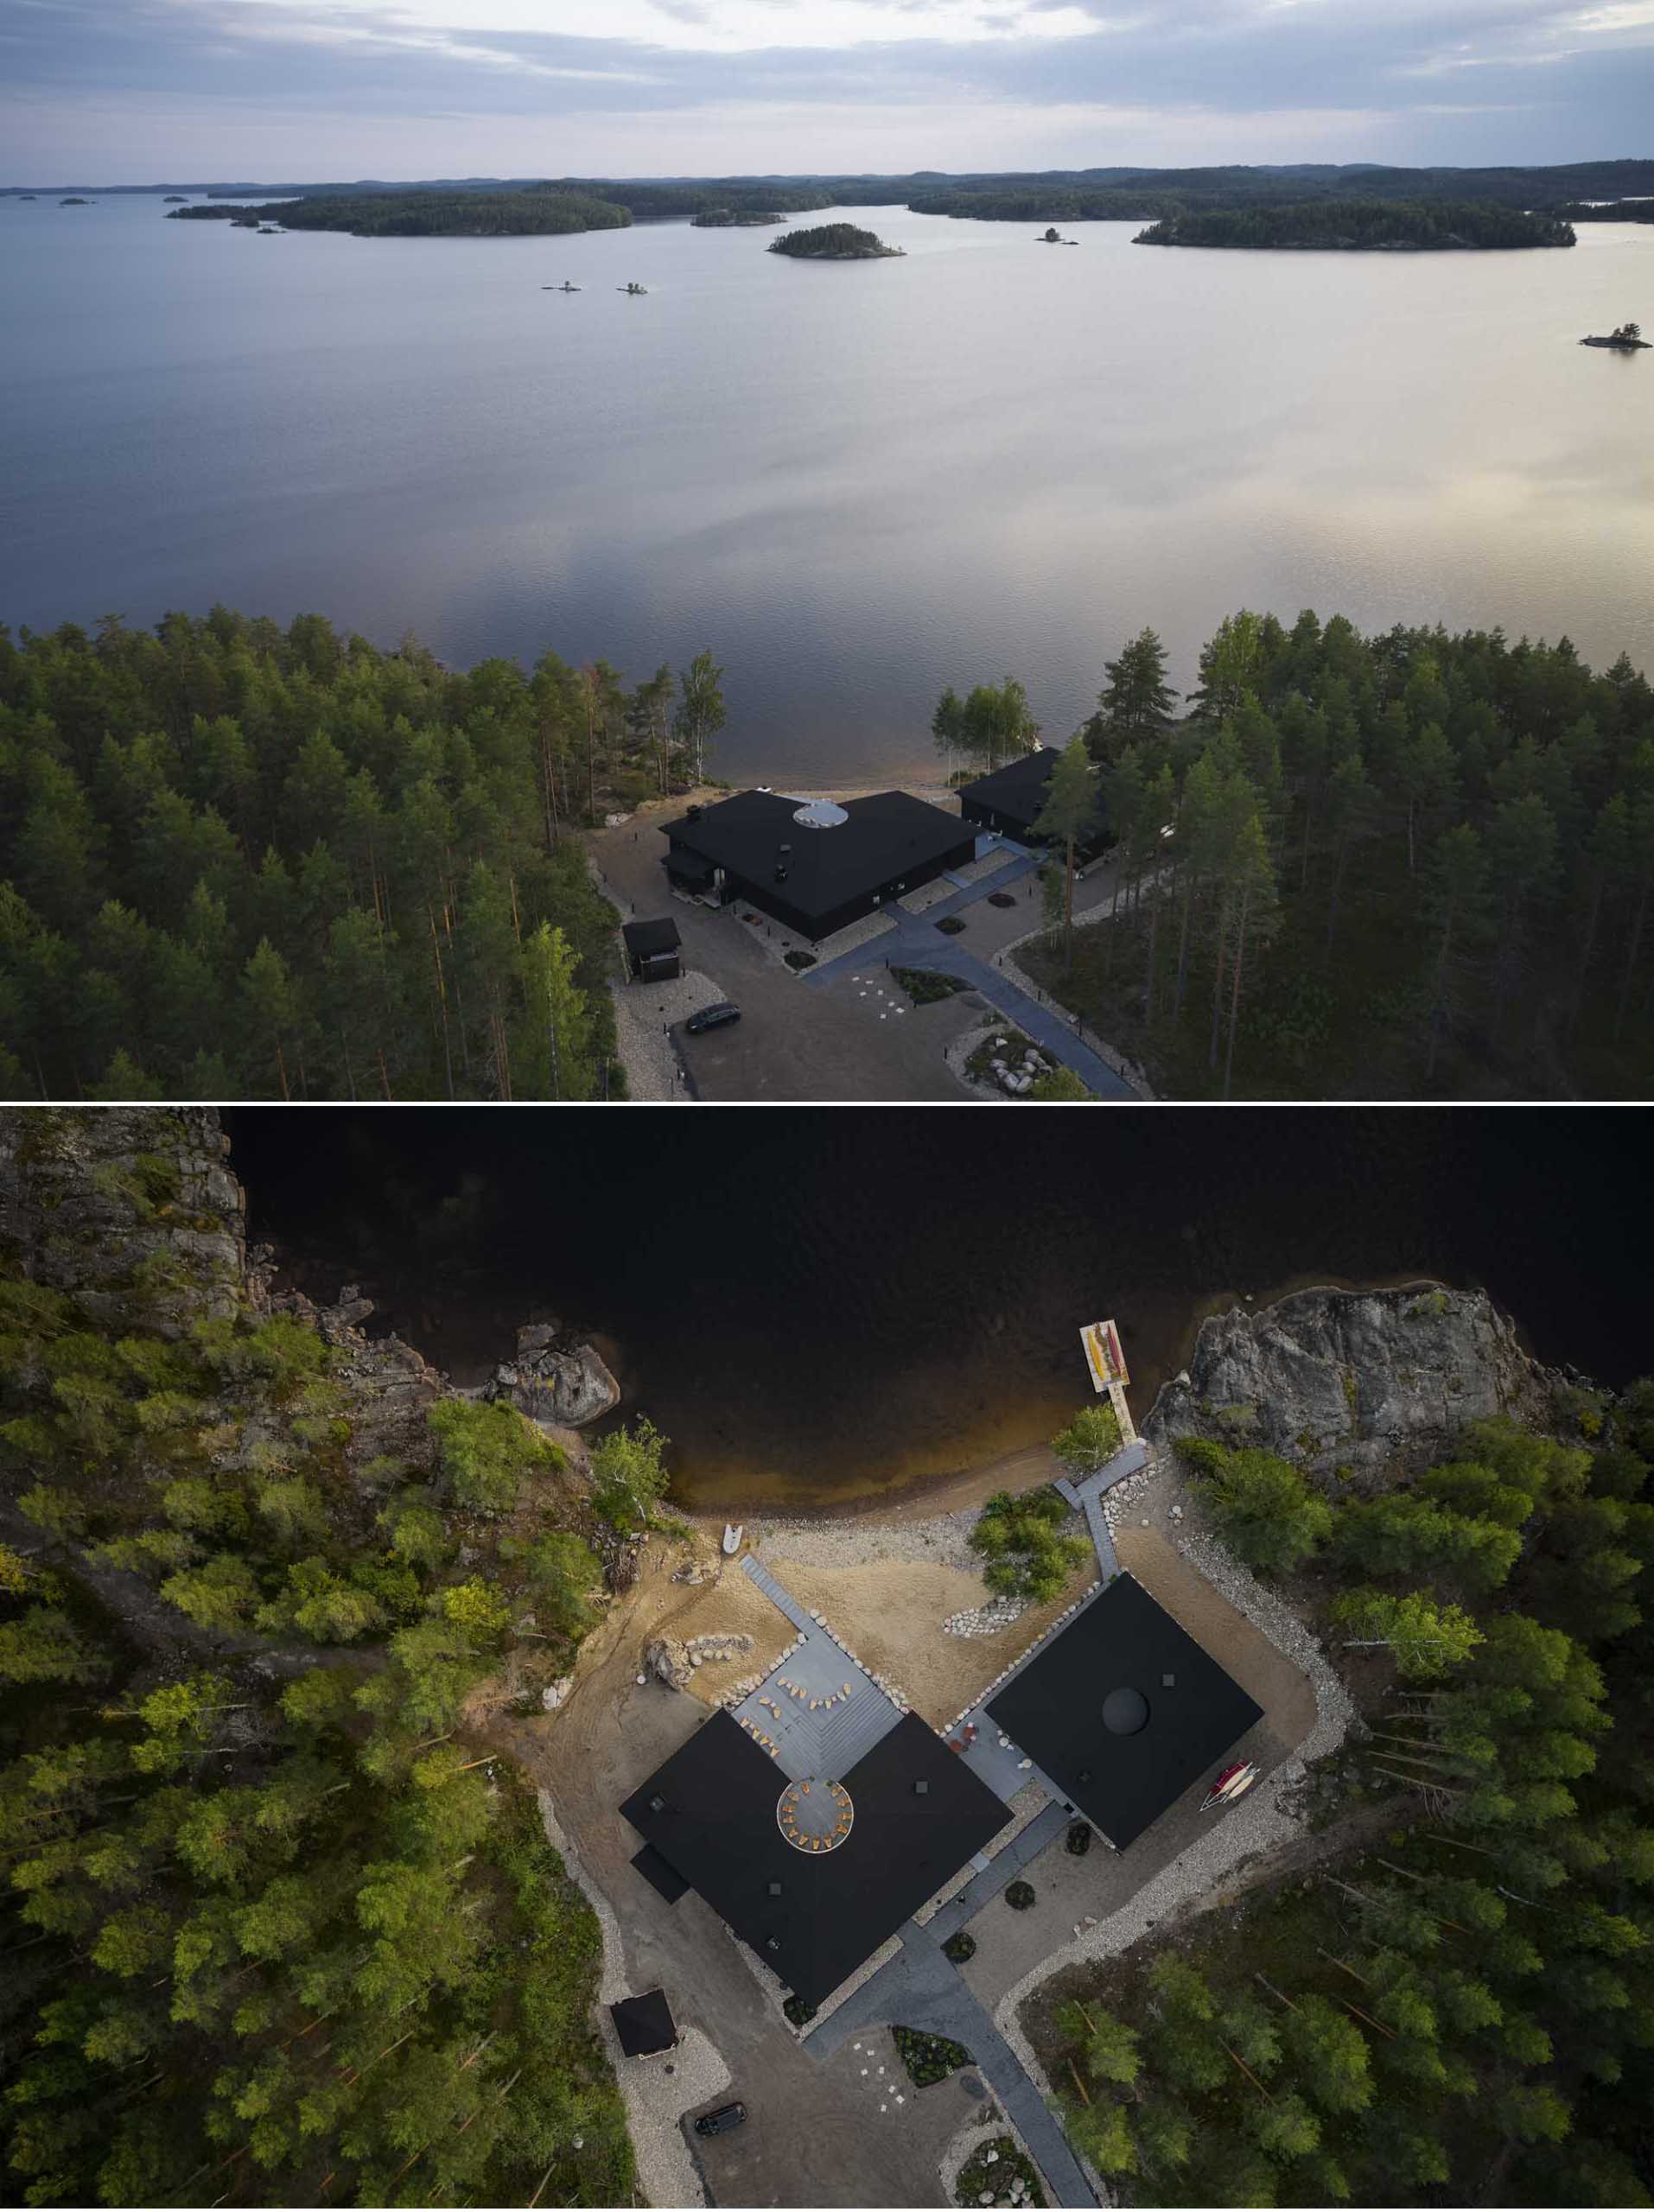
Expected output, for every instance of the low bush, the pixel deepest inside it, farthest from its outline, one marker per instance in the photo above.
(487, 1450)
(927, 988)
(959, 1947)
(929, 2058)
(1078, 1841)
(1019, 1538)
(1019, 1896)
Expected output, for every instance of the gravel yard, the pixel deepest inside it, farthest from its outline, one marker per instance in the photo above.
(655, 2100)
(642, 1011)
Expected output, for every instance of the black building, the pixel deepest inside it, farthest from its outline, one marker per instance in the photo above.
(812, 866)
(644, 2025)
(1010, 799)
(713, 1819)
(652, 950)
(1124, 1710)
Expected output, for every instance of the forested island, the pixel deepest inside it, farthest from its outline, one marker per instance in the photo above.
(239, 861)
(1363, 226)
(451, 207)
(427, 214)
(724, 218)
(834, 242)
(554, 208)
(1407, 865)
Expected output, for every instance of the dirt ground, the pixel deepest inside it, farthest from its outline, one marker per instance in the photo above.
(889, 1613)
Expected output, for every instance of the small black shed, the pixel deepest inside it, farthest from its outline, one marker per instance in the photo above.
(652, 950)
(643, 2024)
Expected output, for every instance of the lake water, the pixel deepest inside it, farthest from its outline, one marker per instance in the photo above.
(855, 482)
(822, 1304)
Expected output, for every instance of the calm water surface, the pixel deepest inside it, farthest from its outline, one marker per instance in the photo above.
(856, 482)
(824, 1305)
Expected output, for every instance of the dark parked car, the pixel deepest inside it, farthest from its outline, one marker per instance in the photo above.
(715, 2123)
(712, 1017)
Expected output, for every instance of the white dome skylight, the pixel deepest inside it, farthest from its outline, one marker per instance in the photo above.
(819, 814)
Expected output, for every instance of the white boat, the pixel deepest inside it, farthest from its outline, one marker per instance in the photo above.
(733, 1533)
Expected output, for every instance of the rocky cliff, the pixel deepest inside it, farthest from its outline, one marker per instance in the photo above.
(137, 1210)
(1364, 1380)
(114, 1201)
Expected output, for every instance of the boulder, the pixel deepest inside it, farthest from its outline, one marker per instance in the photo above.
(668, 1661)
(555, 1379)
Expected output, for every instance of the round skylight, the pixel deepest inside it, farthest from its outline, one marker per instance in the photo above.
(819, 814)
(1125, 1712)
(815, 1815)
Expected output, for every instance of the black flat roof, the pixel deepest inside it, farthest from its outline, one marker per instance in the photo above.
(1123, 1642)
(643, 2024)
(881, 837)
(1018, 788)
(645, 939)
(717, 1825)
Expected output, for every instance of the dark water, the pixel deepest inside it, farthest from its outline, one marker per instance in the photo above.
(826, 1303)
(855, 483)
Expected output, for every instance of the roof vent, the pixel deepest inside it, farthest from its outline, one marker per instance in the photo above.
(921, 1790)
(775, 1889)
(656, 1804)
(1125, 1712)
(819, 814)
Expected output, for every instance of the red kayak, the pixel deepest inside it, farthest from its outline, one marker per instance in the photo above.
(1234, 1782)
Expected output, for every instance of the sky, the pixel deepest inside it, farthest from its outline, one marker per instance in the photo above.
(113, 92)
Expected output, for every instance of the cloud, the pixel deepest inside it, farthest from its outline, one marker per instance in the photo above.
(857, 84)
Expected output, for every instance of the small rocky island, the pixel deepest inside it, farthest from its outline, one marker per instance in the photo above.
(1055, 237)
(74, 200)
(1627, 339)
(175, 200)
(834, 242)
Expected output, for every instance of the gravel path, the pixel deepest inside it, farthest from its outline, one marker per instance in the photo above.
(655, 2101)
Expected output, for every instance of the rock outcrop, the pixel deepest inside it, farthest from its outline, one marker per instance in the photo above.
(125, 1205)
(555, 1379)
(1363, 1380)
(391, 1385)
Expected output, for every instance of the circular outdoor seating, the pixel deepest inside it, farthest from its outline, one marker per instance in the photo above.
(815, 1815)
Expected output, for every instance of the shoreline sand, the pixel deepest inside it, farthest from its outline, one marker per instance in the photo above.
(933, 1496)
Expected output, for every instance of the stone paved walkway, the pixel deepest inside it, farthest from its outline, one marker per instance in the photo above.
(917, 943)
(1001, 1869)
(1088, 1497)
